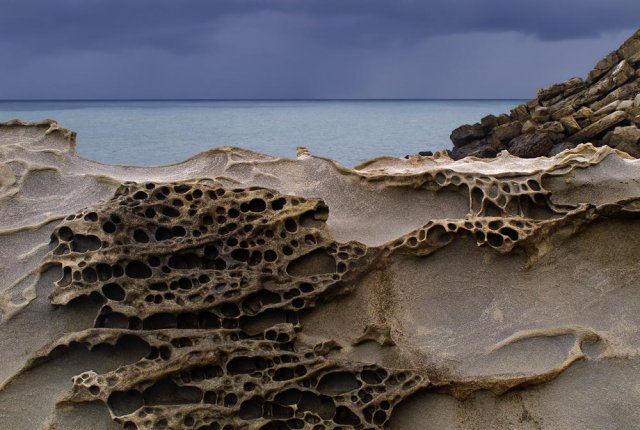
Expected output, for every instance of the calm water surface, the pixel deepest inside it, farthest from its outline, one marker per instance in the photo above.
(162, 132)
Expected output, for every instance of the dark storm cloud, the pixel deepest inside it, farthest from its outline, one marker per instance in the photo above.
(301, 49)
(188, 25)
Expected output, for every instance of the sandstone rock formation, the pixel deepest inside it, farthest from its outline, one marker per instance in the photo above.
(237, 290)
(603, 109)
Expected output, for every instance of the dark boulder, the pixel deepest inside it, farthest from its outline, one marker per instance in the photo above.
(530, 145)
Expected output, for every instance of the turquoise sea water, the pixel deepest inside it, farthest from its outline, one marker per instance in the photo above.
(349, 131)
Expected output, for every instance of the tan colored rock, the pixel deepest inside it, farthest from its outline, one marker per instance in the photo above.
(620, 135)
(625, 105)
(561, 111)
(636, 101)
(540, 114)
(573, 86)
(630, 148)
(520, 113)
(533, 103)
(583, 113)
(605, 110)
(598, 127)
(551, 91)
(553, 127)
(571, 126)
(631, 47)
(602, 67)
(503, 119)
(626, 91)
(488, 123)
(530, 126)
(504, 133)
(622, 73)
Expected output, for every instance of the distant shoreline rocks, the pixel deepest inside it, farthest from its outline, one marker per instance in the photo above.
(603, 109)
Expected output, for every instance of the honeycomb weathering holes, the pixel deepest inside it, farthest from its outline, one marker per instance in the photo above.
(187, 268)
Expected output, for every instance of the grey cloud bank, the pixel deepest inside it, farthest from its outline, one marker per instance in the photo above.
(308, 49)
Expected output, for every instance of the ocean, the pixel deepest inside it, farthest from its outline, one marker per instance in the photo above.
(164, 132)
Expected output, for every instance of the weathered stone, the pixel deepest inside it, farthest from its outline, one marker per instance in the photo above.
(605, 110)
(620, 135)
(597, 91)
(479, 148)
(533, 103)
(488, 123)
(466, 134)
(520, 113)
(503, 119)
(630, 148)
(634, 60)
(583, 113)
(504, 133)
(551, 91)
(625, 105)
(530, 126)
(598, 127)
(560, 112)
(630, 47)
(571, 126)
(530, 145)
(540, 114)
(576, 110)
(624, 92)
(602, 67)
(573, 86)
(553, 127)
(622, 73)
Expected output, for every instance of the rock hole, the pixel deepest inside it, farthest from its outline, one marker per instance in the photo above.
(137, 270)
(345, 416)
(160, 321)
(496, 240)
(510, 233)
(113, 292)
(257, 205)
(125, 402)
(140, 195)
(338, 383)
(316, 262)
(83, 243)
(167, 392)
(140, 236)
(246, 365)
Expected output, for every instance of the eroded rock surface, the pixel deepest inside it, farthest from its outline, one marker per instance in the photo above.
(241, 291)
(603, 109)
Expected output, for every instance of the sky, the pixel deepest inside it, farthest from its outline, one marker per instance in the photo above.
(302, 49)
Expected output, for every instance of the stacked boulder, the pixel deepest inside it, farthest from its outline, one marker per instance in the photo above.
(603, 109)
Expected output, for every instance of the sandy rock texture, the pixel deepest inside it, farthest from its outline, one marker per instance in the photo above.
(237, 290)
(603, 109)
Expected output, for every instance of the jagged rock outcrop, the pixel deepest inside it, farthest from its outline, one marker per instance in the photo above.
(237, 290)
(603, 109)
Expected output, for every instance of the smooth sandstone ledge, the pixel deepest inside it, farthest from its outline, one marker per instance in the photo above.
(237, 290)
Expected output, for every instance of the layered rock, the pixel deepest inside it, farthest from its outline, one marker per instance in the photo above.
(603, 109)
(237, 290)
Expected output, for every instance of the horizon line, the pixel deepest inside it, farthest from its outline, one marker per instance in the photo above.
(259, 99)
